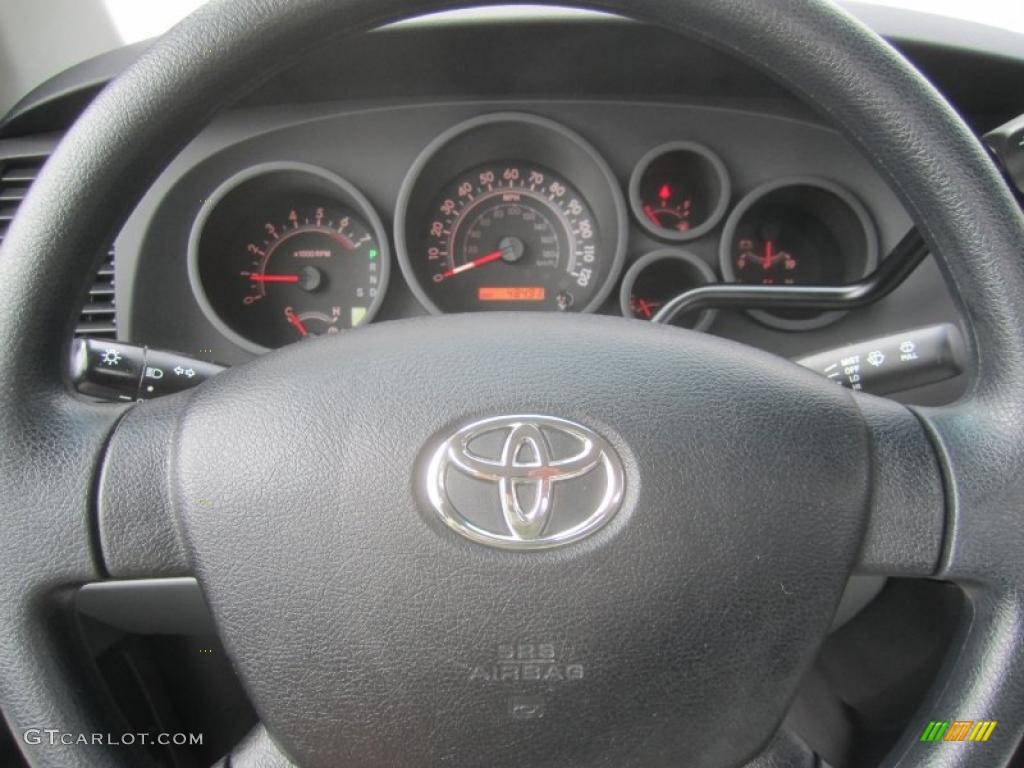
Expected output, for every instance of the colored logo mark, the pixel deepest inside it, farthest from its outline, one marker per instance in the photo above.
(958, 730)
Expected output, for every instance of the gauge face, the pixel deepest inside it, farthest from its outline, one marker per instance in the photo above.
(798, 232)
(657, 277)
(289, 259)
(782, 244)
(669, 206)
(510, 211)
(679, 191)
(510, 235)
(312, 269)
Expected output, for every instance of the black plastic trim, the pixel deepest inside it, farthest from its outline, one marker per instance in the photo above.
(939, 45)
(148, 606)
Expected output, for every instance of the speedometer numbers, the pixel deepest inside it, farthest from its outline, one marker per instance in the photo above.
(510, 211)
(510, 235)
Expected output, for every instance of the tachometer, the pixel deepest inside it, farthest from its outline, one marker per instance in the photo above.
(285, 252)
(543, 229)
(315, 271)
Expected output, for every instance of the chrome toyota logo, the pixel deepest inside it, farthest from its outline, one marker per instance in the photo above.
(525, 482)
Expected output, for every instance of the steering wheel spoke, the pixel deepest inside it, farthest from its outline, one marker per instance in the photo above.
(137, 536)
(979, 443)
(947, 483)
(907, 512)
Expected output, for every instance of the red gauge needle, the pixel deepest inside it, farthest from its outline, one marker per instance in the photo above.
(492, 256)
(769, 255)
(299, 325)
(650, 214)
(646, 308)
(257, 278)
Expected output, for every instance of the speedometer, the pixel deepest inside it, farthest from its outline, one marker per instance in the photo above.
(510, 212)
(511, 235)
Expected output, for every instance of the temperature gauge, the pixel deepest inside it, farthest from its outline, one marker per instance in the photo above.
(679, 191)
(660, 276)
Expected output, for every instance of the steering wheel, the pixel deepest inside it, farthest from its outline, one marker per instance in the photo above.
(364, 630)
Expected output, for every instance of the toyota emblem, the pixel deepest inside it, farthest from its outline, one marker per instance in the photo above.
(525, 482)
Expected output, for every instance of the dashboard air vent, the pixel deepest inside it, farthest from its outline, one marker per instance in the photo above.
(16, 176)
(99, 316)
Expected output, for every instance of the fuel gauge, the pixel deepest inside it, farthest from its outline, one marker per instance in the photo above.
(679, 191)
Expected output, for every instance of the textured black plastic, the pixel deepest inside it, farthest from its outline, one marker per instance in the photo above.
(692, 615)
(52, 450)
(905, 532)
(136, 529)
(963, 208)
(164, 606)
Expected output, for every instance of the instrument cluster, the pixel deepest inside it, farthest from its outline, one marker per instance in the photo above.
(511, 211)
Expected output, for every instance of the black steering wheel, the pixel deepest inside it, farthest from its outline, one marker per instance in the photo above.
(679, 630)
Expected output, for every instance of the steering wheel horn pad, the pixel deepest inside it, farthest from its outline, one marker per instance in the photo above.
(677, 632)
(368, 632)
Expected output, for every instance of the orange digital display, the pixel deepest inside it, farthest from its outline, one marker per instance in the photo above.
(511, 293)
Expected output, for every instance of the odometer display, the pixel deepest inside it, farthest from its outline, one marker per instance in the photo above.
(511, 293)
(510, 235)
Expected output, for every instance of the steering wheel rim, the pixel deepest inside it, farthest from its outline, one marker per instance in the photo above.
(131, 131)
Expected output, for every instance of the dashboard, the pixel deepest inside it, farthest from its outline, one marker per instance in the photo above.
(513, 211)
(521, 170)
(286, 228)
